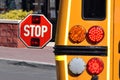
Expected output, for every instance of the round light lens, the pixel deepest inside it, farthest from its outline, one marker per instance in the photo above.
(77, 34)
(77, 66)
(95, 34)
(95, 66)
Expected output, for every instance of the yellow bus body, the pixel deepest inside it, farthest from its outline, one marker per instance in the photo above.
(70, 15)
(116, 65)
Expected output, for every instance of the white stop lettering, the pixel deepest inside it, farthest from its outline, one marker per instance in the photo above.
(35, 30)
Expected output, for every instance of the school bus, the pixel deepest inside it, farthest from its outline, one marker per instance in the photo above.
(87, 45)
(116, 41)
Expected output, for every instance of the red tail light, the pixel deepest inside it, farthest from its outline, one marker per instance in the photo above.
(95, 34)
(95, 66)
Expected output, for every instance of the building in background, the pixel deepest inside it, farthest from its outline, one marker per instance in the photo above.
(47, 7)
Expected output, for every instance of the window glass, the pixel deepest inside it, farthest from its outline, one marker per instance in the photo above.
(93, 9)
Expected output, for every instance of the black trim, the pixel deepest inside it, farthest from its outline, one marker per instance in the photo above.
(81, 50)
(95, 77)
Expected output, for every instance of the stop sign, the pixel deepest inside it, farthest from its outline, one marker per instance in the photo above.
(35, 30)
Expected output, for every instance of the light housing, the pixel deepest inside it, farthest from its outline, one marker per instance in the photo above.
(77, 34)
(95, 66)
(36, 20)
(95, 34)
(35, 42)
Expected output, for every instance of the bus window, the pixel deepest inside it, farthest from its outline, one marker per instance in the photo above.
(93, 9)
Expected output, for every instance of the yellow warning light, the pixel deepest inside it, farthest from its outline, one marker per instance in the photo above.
(77, 34)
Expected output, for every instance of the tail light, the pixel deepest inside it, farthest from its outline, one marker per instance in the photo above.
(77, 34)
(95, 34)
(95, 66)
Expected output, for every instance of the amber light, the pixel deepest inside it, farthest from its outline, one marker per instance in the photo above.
(95, 34)
(95, 66)
(77, 34)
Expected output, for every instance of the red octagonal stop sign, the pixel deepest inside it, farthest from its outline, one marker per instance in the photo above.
(35, 30)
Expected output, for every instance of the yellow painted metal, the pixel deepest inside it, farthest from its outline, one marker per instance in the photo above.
(117, 40)
(61, 67)
(69, 16)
